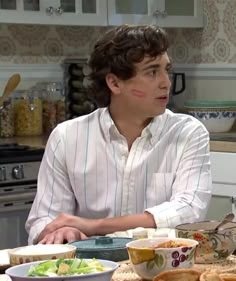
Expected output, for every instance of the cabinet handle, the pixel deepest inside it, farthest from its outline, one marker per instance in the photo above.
(158, 13)
(49, 11)
(59, 11)
(164, 14)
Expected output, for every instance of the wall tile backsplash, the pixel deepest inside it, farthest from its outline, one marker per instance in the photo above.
(26, 44)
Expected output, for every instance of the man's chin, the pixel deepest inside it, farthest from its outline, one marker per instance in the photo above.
(160, 111)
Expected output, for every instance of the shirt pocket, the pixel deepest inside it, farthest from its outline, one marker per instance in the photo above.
(160, 188)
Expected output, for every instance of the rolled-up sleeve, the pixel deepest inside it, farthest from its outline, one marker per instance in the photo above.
(192, 184)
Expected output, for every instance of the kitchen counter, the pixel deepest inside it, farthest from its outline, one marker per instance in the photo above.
(40, 141)
(34, 141)
(222, 146)
(223, 142)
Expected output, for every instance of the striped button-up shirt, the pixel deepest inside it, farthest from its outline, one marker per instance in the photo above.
(87, 170)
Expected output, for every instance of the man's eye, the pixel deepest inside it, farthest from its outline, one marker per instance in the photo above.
(152, 72)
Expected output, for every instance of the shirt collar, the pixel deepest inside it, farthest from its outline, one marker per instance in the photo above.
(107, 123)
(152, 130)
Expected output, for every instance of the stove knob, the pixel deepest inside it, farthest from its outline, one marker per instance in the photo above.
(18, 172)
(3, 174)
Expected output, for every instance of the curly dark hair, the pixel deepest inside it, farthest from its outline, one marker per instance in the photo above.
(117, 52)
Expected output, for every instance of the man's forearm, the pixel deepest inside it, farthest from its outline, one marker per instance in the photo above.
(91, 227)
(109, 225)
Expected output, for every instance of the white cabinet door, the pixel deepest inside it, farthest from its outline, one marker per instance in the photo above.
(181, 13)
(131, 11)
(58, 12)
(224, 185)
(165, 13)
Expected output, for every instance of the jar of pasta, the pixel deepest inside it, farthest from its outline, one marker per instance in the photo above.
(7, 126)
(28, 114)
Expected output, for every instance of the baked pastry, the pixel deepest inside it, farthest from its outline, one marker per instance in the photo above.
(228, 276)
(210, 276)
(178, 275)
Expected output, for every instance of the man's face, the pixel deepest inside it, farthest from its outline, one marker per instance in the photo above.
(147, 93)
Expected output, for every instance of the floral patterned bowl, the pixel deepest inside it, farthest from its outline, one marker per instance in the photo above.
(152, 256)
(217, 116)
(214, 246)
(40, 252)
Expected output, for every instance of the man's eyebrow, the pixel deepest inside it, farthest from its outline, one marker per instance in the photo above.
(151, 66)
(156, 66)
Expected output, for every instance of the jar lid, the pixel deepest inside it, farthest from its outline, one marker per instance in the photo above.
(101, 243)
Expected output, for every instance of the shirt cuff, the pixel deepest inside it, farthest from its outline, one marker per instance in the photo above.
(36, 229)
(167, 218)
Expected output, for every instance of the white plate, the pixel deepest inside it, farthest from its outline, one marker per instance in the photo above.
(152, 232)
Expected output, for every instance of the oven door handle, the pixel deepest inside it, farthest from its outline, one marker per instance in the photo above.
(16, 202)
(17, 197)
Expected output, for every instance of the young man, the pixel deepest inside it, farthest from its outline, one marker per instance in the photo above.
(130, 163)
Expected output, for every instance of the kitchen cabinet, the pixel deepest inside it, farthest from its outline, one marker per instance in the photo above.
(165, 13)
(54, 12)
(224, 185)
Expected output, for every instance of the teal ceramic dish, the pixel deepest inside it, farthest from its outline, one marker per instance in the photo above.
(207, 104)
(107, 248)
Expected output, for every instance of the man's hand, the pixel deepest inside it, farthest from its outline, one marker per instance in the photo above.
(62, 235)
(55, 229)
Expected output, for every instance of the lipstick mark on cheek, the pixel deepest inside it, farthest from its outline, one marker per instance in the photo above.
(138, 93)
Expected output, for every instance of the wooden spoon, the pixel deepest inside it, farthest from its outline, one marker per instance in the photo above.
(12, 83)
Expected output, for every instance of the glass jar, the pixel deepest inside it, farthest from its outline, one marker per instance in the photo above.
(53, 106)
(28, 114)
(7, 124)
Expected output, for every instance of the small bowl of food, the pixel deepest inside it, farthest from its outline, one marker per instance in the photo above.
(41, 252)
(217, 116)
(152, 256)
(63, 270)
(214, 245)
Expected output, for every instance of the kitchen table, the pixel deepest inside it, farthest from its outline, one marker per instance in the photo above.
(126, 273)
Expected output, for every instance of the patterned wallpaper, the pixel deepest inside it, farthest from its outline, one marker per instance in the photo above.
(215, 43)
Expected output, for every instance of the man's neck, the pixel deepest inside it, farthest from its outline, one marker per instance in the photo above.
(128, 125)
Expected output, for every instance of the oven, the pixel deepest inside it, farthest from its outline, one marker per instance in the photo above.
(19, 166)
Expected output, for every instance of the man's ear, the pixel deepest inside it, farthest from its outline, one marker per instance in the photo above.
(113, 83)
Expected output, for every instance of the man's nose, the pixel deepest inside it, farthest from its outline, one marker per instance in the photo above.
(165, 81)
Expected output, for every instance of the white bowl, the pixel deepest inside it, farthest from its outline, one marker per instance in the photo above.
(41, 252)
(19, 273)
(217, 117)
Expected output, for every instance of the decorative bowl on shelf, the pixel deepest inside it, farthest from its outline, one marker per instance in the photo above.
(217, 116)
